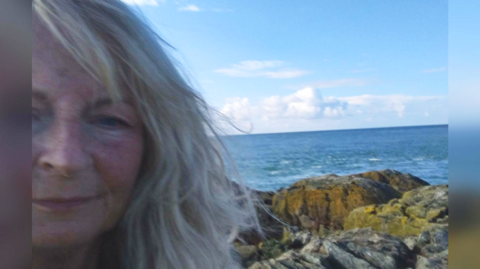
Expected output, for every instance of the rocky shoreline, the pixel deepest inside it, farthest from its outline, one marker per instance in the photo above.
(377, 219)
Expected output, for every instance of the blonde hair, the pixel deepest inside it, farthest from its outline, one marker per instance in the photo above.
(185, 211)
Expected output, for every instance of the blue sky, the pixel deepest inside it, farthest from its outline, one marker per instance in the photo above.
(285, 66)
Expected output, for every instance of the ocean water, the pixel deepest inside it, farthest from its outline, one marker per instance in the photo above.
(273, 161)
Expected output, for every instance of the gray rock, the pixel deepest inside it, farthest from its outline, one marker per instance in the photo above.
(411, 242)
(313, 246)
(341, 258)
(293, 260)
(378, 249)
(432, 247)
(430, 263)
(298, 240)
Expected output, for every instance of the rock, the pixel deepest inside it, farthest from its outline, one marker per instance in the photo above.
(247, 252)
(344, 259)
(432, 247)
(411, 242)
(367, 248)
(359, 248)
(293, 260)
(272, 227)
(313, 246)
(417, 210)
(401, 182)
(271, 249)
(430, 263)
(296, 240)
(328, 200)
(388, 222)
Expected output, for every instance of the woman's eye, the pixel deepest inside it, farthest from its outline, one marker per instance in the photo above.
(111, 122)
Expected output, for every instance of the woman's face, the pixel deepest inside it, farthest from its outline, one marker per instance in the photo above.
(86, 150)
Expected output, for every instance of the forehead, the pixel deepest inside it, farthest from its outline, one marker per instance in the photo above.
(56, 73)
(52, 66)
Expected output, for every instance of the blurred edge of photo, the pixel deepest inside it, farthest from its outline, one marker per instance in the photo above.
(15, 134)
(464, 133)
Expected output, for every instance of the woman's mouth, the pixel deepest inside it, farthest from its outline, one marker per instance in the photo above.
(55, 204)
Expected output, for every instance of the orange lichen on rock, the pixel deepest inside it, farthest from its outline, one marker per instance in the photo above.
(328, 200)
(417, 210)
(401, 182)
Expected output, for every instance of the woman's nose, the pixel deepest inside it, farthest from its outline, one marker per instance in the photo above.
(65, 151)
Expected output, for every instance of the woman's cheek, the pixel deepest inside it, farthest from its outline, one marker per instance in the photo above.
(118, 162)
(119, 154)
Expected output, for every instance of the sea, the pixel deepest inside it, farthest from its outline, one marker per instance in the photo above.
(269, 162)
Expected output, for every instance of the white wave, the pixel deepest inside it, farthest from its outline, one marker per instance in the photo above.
(374, 159)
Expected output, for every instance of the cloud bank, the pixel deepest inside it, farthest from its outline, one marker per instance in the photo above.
(308, 106)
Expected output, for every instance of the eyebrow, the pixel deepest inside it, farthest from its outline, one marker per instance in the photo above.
(106, 101)
(97, 103)
(101, 102)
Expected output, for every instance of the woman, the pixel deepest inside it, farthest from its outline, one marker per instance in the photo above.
(128, 170)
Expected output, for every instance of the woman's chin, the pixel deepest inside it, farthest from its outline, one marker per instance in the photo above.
(62, 235)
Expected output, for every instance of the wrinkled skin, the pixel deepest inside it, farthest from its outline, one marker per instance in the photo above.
(84, 146)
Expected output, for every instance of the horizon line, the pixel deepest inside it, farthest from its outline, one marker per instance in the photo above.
(369, 128)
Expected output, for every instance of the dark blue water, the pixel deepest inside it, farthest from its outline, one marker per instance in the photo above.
(272, 161)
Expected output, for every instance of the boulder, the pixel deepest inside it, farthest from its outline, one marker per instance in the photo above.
(367, 248)
(432, 248)
(326, 201)
(417, 210)
(293, 260)
(296, 240)
(360, 249)
(246, 252)
(272, 226)
(271, 249)
(399, 181)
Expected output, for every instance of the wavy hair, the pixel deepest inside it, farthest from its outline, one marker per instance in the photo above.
(185, 210)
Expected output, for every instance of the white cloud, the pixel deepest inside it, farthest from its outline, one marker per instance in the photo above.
(144, 2)
(303, 104)
(268, 69)
(434, 70)
(237, 109)
(307, 106)
(388, 103)
(192, 8)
